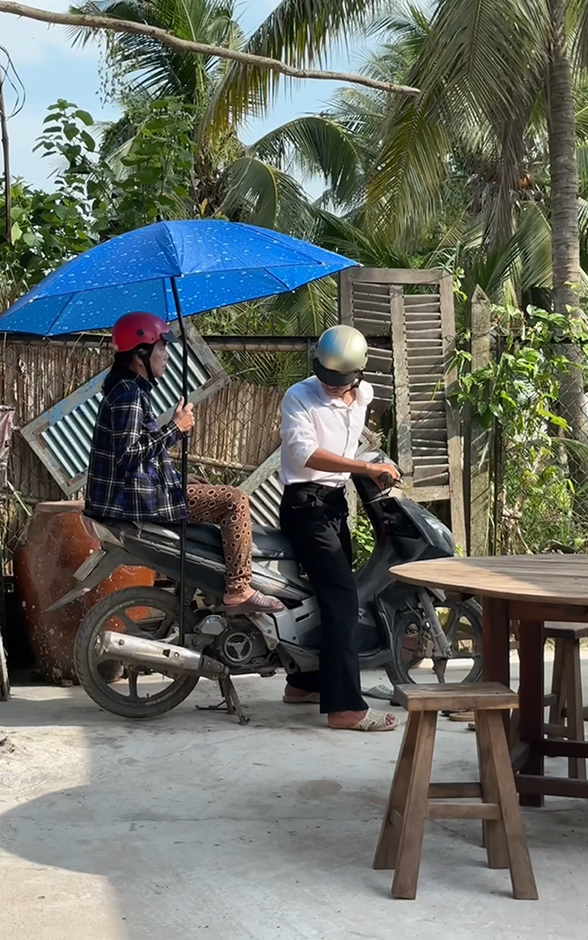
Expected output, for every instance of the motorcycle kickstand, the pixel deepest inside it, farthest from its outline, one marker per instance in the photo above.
(439, 668)
(232, 700)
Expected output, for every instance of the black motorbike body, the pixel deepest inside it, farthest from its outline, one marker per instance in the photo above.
(403, 530)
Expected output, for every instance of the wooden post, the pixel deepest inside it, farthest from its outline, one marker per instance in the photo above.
(454, 442)
(479, 443)
(401, 383)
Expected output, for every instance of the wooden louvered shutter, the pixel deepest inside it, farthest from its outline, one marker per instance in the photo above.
(408, 319)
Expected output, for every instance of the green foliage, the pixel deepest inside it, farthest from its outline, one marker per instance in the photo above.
(150, 176)
(517, 396)
(362, 540)
(520, 386)
(47, 229)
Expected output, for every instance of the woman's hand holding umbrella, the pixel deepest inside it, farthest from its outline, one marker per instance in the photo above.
(184, 416)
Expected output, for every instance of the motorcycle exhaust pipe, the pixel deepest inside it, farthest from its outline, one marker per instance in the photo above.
(158, 656)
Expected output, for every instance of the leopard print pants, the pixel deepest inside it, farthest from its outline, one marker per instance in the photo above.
(228, 508)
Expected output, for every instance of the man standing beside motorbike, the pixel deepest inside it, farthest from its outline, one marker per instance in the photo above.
(322, 421)
(131, 475)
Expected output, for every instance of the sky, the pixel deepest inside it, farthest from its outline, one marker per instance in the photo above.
(50, 69)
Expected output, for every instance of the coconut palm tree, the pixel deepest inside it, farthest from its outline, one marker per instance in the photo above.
(501, 67)
(298, 31)
(442, 210)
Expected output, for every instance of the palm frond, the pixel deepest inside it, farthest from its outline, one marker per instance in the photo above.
(582, 158)
(403, 29)
(262, 195)
(411, 169)
(315, 146)
(299, 33)
(484, 48)
(583, 226)
(578, 10)
(533, 239)
(582, 122)
(357, 240)
(310, 310)
(475, 53)
(160, 71)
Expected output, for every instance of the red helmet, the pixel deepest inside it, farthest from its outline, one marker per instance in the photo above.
(139, 329)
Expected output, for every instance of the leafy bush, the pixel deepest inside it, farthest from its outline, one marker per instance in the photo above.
(517, 397)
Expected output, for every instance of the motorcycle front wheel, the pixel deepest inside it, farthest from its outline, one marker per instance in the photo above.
(151, 613)
(413, 646)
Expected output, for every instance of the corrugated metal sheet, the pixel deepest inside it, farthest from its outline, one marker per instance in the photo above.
(265, 489)
(62, 436)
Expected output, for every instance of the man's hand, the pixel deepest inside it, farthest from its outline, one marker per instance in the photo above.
(375, 471)
(184, 416)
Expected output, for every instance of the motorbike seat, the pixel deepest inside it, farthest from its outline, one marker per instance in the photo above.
(267, 542)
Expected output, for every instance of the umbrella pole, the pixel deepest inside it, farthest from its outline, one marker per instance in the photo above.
(227, 688)
(184, 526)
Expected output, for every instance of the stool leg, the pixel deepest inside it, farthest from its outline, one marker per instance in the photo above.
(521, 871)
(514, 736)
(574, 707)
(415, 811)
(556, 711)
(387, 848)
(492, 830)
(482, 764)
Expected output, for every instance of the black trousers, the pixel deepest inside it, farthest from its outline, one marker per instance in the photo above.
(314, 518)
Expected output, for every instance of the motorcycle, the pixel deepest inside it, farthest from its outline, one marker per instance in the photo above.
(133, 635)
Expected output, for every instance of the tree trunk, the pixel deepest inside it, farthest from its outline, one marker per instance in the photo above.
(566, 241)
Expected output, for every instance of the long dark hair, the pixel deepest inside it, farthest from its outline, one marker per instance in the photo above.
(120, 368)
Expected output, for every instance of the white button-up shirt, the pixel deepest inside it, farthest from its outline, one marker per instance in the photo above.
(312, 421)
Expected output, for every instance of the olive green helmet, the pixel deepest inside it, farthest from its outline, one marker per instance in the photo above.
(340, 356)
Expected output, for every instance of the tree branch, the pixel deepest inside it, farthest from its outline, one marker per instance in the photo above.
(184, 45)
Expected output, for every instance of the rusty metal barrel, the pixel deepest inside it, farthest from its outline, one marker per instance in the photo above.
(52, 547)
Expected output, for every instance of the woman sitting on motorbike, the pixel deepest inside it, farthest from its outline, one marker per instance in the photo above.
(131, 475)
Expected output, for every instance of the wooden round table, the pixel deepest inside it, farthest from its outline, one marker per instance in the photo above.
(531, 589)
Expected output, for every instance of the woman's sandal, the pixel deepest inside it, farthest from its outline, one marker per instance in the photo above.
(373, 720)
(258, 603)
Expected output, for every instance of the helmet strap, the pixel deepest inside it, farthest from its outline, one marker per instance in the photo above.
(358, 381)
(144, 353)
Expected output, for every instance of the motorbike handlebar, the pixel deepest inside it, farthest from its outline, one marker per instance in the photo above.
(386, 480)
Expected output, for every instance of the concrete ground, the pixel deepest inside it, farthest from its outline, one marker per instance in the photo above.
(193, 827)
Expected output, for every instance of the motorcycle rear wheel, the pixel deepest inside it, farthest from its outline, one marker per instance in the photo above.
(462, 624)
(109, 614)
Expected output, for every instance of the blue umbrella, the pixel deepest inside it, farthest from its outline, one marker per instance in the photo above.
(170, 268)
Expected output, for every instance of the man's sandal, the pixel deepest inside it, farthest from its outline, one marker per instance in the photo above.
(312, 698)
(463, 716)
(373, 720)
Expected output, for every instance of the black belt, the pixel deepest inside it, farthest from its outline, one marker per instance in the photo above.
(321, 489)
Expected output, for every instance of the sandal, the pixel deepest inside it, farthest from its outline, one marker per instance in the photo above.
(382, 692)
(373, 720)
(464, 716)
(311, 698)
(258, 603)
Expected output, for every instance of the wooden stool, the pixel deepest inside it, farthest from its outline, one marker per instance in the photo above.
(566, 711)
(413, 798)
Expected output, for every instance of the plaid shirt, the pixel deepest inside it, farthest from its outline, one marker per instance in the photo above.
(131, 475)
